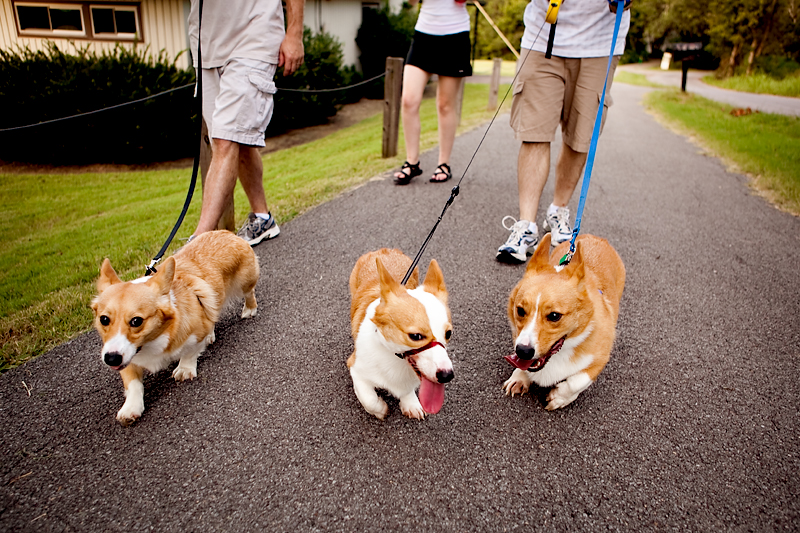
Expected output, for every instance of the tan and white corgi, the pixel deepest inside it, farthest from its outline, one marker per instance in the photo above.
(400, 334)
(564, 318)
(147, 323)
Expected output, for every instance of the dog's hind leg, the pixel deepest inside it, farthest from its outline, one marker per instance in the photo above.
(133, 407)
(250, 308)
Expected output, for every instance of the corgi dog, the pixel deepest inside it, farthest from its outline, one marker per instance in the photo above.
(400, 334)
(148, 323)
(564, 318)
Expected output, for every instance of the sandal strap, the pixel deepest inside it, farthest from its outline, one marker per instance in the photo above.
(445, 168)
(412, 167)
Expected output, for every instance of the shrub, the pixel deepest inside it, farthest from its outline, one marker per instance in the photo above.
(383, 34)
(50, 84)
(322, 69)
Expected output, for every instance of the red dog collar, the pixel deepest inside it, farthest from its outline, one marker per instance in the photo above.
(415, 351)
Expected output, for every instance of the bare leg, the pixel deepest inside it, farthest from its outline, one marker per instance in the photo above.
(414, 81)
(533, 166)
(218, 188)
(251, 174)
(568, 173)
(446, 97)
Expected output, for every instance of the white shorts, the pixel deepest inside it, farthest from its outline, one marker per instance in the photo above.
(237, 100)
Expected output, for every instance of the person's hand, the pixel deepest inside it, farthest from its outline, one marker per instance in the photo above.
(612, 5)
(291, 55)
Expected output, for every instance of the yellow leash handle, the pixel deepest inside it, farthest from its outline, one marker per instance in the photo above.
(552, 11)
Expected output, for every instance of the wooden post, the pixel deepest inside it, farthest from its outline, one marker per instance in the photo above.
(392, 93)
(494, 85)
(227, 220)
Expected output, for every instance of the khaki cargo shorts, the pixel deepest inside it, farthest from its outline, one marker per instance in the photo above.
(559, 90)
(237, 100)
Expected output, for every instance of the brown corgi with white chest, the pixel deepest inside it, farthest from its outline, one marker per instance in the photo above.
(147, 323)
(400, 334)
(564, 318)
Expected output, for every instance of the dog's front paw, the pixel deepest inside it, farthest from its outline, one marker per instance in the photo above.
(518, 383)
(129, 414)
(183, 373)
(412, 408)
(248, 312)
(379, 410)
(560, 396)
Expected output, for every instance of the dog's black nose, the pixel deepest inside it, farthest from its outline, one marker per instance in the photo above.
(525, 352)
(113, 359)
(444, 376)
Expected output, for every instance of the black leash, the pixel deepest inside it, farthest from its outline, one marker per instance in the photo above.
(457, 188)
(151, 268)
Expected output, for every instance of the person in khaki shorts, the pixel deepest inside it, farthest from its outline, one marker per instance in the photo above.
(563, 90)
(243, 43)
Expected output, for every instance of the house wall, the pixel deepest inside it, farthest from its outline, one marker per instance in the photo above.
(163, 27)
(341, 18)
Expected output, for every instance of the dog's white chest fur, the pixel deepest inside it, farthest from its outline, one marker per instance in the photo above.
(377, 361)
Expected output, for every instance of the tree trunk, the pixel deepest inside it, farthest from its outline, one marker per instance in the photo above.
(732, 61)
(751, 56)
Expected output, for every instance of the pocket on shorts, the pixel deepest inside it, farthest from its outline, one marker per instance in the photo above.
(261, 82)
(516, 104)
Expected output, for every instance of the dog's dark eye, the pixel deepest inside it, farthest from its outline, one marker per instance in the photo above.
(104, 320)
(520, 312)
(415, 336)
(448, 334)
(554, 317)
(136, 321)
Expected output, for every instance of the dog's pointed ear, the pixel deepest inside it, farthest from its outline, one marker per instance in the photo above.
(575, 269)
(162, 280)
(434, 282)
(389, 285)
(541, 257)
(107, 276)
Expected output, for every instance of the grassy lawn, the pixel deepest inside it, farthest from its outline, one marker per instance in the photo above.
(55, 229)
(632, 78)
(763, 145)
(759, 83)
(483, 67)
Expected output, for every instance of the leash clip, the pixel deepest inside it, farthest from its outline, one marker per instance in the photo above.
(151, 268)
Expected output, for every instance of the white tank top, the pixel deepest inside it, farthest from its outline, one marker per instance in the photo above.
(442, 17)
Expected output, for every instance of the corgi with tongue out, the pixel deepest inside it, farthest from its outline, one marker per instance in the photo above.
(400, 334)
(564, 318)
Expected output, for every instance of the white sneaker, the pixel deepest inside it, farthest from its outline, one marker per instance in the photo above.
(520, 244)
(558, 226)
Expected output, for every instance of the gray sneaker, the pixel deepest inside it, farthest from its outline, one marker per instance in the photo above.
(558, 226)
(520, 244)
(257, 229)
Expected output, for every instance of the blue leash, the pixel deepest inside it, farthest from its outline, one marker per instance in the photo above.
(587, 173)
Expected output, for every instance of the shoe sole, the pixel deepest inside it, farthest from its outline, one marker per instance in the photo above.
(267, 235)
(511, 258)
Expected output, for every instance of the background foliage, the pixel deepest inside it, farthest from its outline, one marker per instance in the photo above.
(383, 34)
(50, 84)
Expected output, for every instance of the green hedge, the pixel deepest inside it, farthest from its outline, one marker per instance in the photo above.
(51, 84)
(321, 69)
(383, 34)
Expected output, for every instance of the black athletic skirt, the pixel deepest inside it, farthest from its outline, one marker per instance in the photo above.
(445, 55)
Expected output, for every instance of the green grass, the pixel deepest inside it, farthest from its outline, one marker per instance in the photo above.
(763, 145)
(55, 229)
(483, 67)
(759, 83)
(632, 78)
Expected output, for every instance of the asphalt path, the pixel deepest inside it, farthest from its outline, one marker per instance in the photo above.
(693, 425)
(765, 103)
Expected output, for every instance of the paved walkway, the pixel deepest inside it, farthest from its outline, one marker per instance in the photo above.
(766, 103)
(694, 425)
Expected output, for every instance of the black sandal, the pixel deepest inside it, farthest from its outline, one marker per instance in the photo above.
(414, 171)
(444, 168)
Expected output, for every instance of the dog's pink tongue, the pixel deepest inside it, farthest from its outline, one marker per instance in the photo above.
(431, 395)
(522, 364)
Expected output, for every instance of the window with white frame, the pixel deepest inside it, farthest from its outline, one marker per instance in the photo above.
(79, 20)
